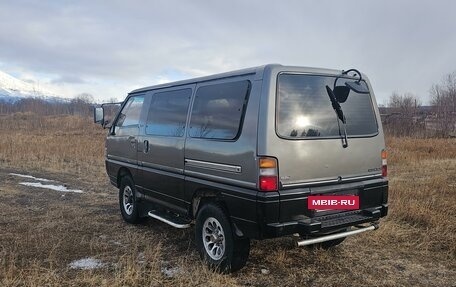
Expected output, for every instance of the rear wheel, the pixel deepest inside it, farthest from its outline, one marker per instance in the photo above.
(127, 200)
(218, 246)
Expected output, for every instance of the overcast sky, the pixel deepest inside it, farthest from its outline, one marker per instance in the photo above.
(108, 48)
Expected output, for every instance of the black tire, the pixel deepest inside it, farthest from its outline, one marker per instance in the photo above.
(230, 253)
(129, 208)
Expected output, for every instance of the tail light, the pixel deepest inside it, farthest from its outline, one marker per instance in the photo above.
(268, 176)
(384, 164)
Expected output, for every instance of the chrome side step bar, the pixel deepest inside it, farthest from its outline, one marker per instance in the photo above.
(178, 223)
(305, 242)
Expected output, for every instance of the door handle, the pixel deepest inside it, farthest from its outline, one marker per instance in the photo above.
(146, 146)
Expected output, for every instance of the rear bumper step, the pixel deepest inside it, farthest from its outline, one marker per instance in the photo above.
(174, 221)
(346, 219)
(305, 242)
(325, 224)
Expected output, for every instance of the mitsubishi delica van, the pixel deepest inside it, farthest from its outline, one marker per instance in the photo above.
(238, 155)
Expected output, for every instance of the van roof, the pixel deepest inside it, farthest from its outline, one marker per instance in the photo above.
(259, 71)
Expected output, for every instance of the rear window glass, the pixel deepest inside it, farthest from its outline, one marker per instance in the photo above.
(304, 108)
(218, 110)
(168, 113)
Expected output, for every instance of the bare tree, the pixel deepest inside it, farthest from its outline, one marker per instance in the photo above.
(406, 104)
(82, 104)
(443, 99)
(404, 114)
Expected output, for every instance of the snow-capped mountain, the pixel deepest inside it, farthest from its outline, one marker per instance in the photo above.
(13, 89)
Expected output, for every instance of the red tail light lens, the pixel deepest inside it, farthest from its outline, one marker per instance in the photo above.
(268, 183)
(384, 171)
(384, 164)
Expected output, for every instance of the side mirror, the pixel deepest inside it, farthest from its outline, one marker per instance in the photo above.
(105, 114)
(358, 86)
(98, 115)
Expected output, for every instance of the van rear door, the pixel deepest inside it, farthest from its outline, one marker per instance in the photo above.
(309, 136)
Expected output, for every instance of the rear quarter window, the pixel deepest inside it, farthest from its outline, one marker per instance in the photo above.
(218, 110)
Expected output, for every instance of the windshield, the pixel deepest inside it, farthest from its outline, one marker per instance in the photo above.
(304, 109)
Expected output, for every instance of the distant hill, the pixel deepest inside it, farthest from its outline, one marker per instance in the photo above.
(13, 90)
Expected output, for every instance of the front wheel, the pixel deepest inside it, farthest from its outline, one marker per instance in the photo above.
(218, 246)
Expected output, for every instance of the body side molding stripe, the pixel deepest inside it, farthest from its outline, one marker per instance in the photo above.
(213, 165)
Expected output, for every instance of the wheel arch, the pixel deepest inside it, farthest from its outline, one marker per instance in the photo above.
(123, 171)
(204, 196)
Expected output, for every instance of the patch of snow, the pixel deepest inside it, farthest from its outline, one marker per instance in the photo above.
(86, 264)
(264, 271)
(50, 186)
(31, 177)
(170, 272)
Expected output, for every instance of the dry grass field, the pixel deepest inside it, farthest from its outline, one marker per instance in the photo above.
(43, 232)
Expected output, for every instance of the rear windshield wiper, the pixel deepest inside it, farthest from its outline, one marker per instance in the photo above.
(340, 115)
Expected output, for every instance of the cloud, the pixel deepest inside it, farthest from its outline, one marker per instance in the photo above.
(68, 79)
(403, 46)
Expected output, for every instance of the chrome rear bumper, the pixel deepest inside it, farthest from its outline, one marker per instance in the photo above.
(305, 242)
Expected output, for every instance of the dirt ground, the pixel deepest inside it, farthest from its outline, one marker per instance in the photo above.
(43, 234)
(43, 231)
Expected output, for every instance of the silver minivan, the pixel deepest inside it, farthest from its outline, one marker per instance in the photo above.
(252, 154)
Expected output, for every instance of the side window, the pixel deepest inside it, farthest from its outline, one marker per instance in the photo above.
(218, 110)
(168, 113)
(129, 115)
